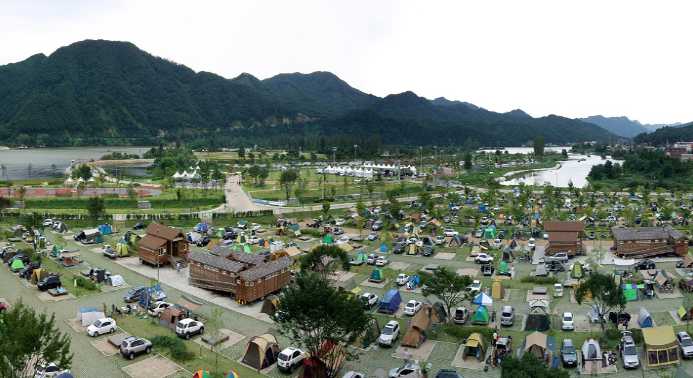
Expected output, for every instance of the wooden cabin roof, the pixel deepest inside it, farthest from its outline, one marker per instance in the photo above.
(645, 233)
(561, 226)
(217, 262)
(264, 270)
(163, 232)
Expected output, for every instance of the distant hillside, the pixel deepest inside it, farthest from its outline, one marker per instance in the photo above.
(621, 126)
(103, 92)
(669, 134)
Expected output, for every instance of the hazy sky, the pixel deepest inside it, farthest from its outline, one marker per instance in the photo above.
(574, 58)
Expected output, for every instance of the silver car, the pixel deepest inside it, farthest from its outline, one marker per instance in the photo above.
(629, 353)
(507, 316)
(132, 346)
(685, 343)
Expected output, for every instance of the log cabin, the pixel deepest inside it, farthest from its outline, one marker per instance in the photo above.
(162, 245)
(640, 242)
(246, 276)
(564, 237)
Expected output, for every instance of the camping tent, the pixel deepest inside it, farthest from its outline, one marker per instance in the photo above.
(577, 271)
(37, 274)
(88, 315)
(536, 344)
(630, 291)
(481, 316)
(105, 229)
(420, 323)
(483, 299)
(474, 346)
(376, 276)
(121, 249)
(328, 239)
(360, 258)
(261, 351)
(644, 318)
(201, 374)
(683, 315)
(661, 347)
(489, 233)
(17, 265)
(591, 350)
(117, 280)
(503, 268)
(269, 306)
(497, 291)
(538, 317)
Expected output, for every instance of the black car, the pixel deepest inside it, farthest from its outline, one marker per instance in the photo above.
(568, 353)
(487, 270)
(448, 373)
(399, 248)
(203, 241)
(134, 294)
(139, 226)
(645, 265)
(49, 282)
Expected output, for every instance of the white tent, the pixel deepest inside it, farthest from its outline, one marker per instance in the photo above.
(591, 350)
(117, 280)
(86, 316)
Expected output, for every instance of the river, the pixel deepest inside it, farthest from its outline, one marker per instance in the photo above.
(574, 170)
(32, 163)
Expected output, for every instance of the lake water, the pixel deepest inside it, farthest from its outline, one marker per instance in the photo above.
(51, 162)
(574, 170)
(524, 150)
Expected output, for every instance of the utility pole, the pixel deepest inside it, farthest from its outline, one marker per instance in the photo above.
(355, 147)
(334, 154)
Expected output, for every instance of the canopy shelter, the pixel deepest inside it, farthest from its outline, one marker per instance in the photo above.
(376, 276)
(38, 274)
(630, 292)
(577, 271)
(483, 299)
(261, 351)
(420, 323)
(497, 291)
(661, 347)
(645, 319)
(536, 343)
(538, 317)
(122, 249)
(481, 316)
(683, 314)
(591, 350)
(88, 315)
(474, 346)
(270, 305)
(360, 258)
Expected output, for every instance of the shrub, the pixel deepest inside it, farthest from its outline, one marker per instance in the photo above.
(637, 335)
(539, 280)
(176, 346)
(85, 283)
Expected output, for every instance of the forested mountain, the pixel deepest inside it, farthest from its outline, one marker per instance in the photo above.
(621, 126)
(669, 134)
(103, 92)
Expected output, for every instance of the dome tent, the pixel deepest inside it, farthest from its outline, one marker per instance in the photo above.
(481, 316)
(261, 351)
(644, 318)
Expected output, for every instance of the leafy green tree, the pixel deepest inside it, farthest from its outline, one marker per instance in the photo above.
(448, 286)
(606, 294)
(325, 259)
(96, 207)
(370, 187)
(83, 172)
(529, 367)
(312, 312)
(287, 180)
(27, 339)
(468, 161)
(538, 146)
(326, 209)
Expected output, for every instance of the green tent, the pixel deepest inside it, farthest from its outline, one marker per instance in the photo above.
(55, 252)
(376, 276)
(489, 233)
(577, 271)
(503, 267)
(481, 316)
(246, 248)
(328, 239)
(17, 265)
(360, 257)
(121, 249)
(630, 291)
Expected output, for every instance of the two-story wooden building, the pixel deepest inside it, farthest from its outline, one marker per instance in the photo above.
(247, 277)
(564, 237)
(162, 245)
(640, 242)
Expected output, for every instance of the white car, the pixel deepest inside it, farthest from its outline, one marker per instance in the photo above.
(158, 307)
(290, 358)
(531, 244)
(409, 370)
(440, 239)
(189, 327)
(685, 343)
(449, 232)
(369, 299)
(48, 222)
(372, 236)
(402, 279)
(483, 258)
(389, 334)
(48, 371)
(339, 222)
(412, 307)
(343, 239)
(381, 261)
(354, 374)
(568, 323)
(102, 326)
(475, 287)
(560, 256)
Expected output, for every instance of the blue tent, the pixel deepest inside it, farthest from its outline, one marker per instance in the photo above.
(645, 319)
(482, 299)
(105, 229)
(201, 228)
(414, 282)
(390, 302)
(482, 207)
(383, 248)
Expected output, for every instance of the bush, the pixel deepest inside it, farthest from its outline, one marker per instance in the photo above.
(176, 346)
(462, 333)
(539, 280)
(637, 335)
(85, 283)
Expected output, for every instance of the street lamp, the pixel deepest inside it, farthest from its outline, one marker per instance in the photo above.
(355, 147)
(334, 154)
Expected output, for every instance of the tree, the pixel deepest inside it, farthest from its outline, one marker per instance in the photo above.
(27, 339)
(96, 207)
(529, 367)
(324, 259)
(4, 202)
(83, 172)
(287, 180)
(605, 292)
(468, 161)
(538, 146)
(326, 209)
(312, 313)
(448, 286)
(370, 187)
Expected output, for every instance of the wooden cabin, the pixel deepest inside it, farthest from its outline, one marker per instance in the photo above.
(640, 242)
(162, 245)
(248, 277)
(564, 237)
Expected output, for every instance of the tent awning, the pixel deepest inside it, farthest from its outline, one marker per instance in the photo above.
(659, 337)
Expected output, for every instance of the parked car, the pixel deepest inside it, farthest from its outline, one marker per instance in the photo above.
(49, 371)
(189, 327)
(369, 300)
(381, 261)
(487, 270)
(408, 370)
(290, 358)
(372, 236)
(402, 279)
(102, 326)
(449, 232)
(568, 353)
(685, 343)
(139, 226)
(568, 322)
(132, 346)
(482, 258)
(47, 222)
(389, 334)
(531, 244)
(448, 373)
(156, 308)
(109, 252)
(507, 317)
(461, 315)
(560, 257)
(645, 265)
(377, 225)
(554, 266)
(475, 287)
(629, 353)
(399, 247)
(439, 240)
(412, 307)
(49, 282)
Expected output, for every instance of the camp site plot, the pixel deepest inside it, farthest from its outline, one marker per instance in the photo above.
(153, 367)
